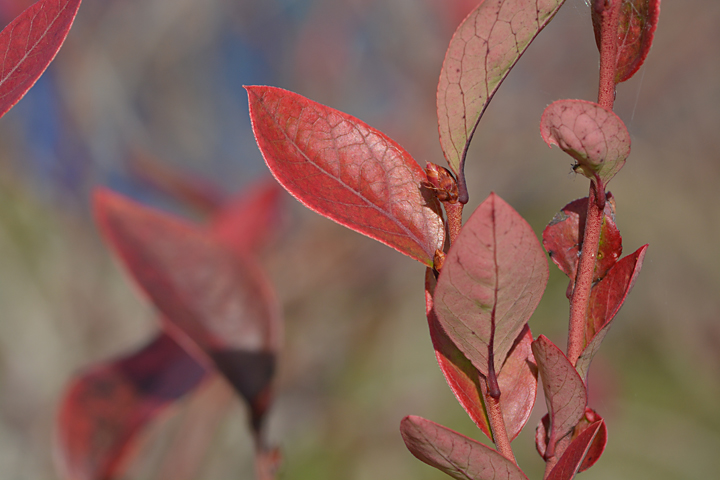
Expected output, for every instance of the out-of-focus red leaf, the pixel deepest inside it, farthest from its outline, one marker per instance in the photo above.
(481, 53)
(565, 391)
(491, 283)
(347, 171)
(590, 133)
(638, 21)
(189, 189)
(209, 296)
(246, 222)
(457, 455)
(571, 460)
(104, 408)
(517, 379)
(563, 236)
(606, 298)
(29, 43)
(596, 448)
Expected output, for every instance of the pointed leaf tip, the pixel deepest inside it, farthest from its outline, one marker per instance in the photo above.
(483, 50)
(493, 278)
(347, 171)
(29, 43)
(590, 133)
(454, 454)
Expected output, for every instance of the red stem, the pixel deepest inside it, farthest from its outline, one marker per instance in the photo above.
(497, 422)
(454, 219)
(586, 268)
(608, 51)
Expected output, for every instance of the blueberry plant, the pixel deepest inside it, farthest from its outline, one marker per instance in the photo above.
(485, 277)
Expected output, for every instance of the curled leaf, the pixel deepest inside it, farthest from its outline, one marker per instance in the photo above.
(564, 389)
(484, 48)
(590, 133)
(103, 410)
(493, 278)
(457, 455)
(347, 171)
(517, 379)
(29, 43)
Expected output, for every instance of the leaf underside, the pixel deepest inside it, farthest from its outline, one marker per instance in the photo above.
(594, 450)
(564, 389)
(572, 459)
(28, 45)
(492, 280)
(347, 171)
(481, 53)
(454, 454)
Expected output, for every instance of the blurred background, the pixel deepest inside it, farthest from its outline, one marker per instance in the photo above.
(163, 78)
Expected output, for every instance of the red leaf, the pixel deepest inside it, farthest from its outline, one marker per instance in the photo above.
(517, 379)
(606, 299)
(246, 222)
(484, 48)
(638, 21)
(189, 189)
(104, 409)
(595, 449)
(29, 43)
(570, 462)
(457, 455)
(563, 236)
(491, 283)
(210, 297)
(347, 171)
(590, 133)
(565, 391)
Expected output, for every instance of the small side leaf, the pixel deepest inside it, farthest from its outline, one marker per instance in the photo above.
(347, 171)
(483, 50)
(595, 449)
(517, 379)
(565, 391)
(104, 409)
(571, 460)
(638, 21)
(606, 299)
(28, 45)
(210, 297)
(492, 280)
(457, 455)
(590, 133)
(563, 236)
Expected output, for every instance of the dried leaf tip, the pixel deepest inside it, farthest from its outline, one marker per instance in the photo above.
(441, 181)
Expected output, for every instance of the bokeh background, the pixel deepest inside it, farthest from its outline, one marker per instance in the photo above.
(163, 78)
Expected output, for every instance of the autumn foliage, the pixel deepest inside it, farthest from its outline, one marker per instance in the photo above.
(484, 278)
